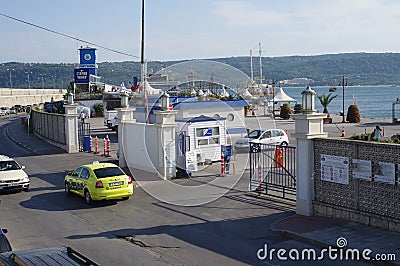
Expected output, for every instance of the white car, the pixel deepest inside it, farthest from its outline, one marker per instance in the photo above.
(113, 123)
(12, 175)
(6, 110)
(263, 136)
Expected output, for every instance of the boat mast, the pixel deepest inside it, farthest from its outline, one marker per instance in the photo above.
(261, 78)
(251, 65)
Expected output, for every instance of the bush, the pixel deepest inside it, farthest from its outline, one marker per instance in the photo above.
(353, 114)
(98, 107)
(298, 108)
(285, 111)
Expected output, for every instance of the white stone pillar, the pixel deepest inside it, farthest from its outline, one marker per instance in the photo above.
(166, 132)
(124, 115)
(307, 127)
(71, 128)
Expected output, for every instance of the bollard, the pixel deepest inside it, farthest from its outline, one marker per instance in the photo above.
(278, 158)
(343, 134)
(222, 164)
(90, 144)
(259, 176)
(108, 146)
(365, 130)
(96, 145)
(105, 146)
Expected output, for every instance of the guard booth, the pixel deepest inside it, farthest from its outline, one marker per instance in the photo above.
(199, 141)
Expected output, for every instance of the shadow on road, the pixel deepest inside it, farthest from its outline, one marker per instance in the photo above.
(58, 201)
(236, 239)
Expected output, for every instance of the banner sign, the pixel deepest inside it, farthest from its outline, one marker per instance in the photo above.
(335, 169)
(362, 169)
(87, 56)
(81, 75)
(384, 172)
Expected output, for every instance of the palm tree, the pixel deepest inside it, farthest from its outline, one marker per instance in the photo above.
(325, 100)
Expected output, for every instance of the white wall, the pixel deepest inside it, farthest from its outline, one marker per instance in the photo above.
(10, 97)
(140, 141)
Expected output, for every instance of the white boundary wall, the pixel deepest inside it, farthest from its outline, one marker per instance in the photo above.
(10, 97)
(149, 147)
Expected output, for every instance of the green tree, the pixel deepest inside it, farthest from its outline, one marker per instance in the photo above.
(325, 100)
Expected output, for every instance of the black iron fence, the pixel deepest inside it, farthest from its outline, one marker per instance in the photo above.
(272, 170)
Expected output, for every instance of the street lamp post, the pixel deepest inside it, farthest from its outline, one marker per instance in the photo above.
(29, 81)
(42, 82)
(8, 69)
(53, 82)
(10, 77)
(343, 84)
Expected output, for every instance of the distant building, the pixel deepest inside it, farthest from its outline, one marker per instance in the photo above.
(298, 81)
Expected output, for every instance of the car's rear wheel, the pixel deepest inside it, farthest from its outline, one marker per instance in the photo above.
(88, 198)
(67, 189)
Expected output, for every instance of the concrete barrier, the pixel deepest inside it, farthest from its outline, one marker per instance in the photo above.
(10, 97)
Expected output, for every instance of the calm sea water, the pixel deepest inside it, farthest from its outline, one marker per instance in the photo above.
(372, 101)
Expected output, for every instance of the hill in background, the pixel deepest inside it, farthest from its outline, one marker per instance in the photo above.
(320, 70)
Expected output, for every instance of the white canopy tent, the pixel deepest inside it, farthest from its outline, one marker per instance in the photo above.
(150, 90)
(281, 97)
(247, 94)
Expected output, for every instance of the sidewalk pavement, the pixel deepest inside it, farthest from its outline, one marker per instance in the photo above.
(325, 232)
(17, 133)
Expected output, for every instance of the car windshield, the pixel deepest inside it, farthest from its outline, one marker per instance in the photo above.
(108, 172)
(9, 165)
(254, 134)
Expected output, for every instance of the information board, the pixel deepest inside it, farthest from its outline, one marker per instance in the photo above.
(362, 169)
(335, 169)
(384, 172)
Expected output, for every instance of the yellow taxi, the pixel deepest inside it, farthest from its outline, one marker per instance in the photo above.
(99, 181)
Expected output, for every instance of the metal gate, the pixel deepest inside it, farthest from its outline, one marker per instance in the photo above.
(272, 170)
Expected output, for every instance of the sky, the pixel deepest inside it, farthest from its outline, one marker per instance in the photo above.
(195, 29)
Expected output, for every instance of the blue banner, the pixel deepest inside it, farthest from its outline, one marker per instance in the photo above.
(87, 56)
(81, 75)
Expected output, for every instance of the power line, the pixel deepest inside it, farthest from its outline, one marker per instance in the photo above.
(68, 36)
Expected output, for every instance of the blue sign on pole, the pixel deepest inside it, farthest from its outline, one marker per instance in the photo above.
(81, 75)
(87, 56)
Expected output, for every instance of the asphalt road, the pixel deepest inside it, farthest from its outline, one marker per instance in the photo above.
(141, 230)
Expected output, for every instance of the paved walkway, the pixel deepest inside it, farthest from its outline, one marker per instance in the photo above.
(325, 232)
(318, 231)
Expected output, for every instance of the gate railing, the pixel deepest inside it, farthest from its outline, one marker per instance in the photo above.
(272, 170)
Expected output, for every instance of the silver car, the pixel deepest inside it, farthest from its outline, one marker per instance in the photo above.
(263, 136)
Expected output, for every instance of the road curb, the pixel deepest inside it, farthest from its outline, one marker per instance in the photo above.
(22, 145)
